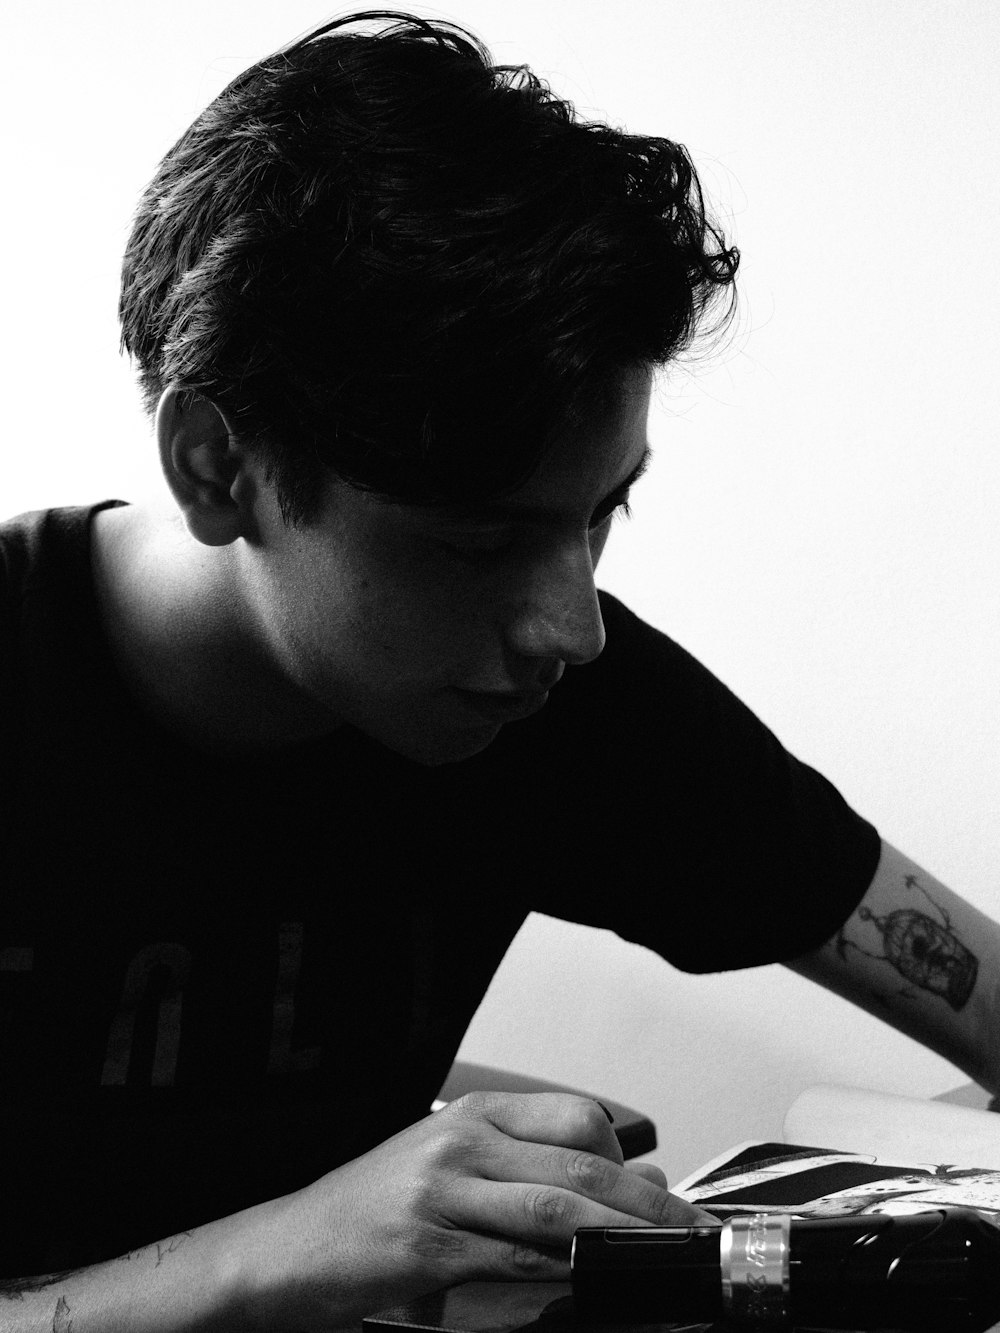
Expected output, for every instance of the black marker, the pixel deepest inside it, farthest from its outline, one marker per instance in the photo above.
(937, 1270)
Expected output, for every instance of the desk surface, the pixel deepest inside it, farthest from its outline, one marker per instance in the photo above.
(475, 1307)
(502, 1307)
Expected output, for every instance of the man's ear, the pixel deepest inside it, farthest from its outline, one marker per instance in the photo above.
(203, 466)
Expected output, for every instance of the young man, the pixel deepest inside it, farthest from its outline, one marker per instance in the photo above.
(287, 766)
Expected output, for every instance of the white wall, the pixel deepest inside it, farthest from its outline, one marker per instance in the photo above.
(819, 524)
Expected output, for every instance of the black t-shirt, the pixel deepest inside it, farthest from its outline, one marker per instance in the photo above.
(220, 979)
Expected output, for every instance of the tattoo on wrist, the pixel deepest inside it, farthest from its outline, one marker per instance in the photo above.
(61, 1322)
(167, 1247)
(163, 1248)
(16, 1288)
(131, 1254)
(925, 952)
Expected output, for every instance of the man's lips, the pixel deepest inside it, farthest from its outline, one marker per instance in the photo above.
(503, 706)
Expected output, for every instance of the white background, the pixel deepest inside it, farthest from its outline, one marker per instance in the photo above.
(819, 525)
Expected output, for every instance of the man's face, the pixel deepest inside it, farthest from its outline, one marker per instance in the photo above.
(382, 614)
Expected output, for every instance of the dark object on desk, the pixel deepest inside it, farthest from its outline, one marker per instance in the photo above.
(971, 1095)
(636, 1132)
(937, 1270)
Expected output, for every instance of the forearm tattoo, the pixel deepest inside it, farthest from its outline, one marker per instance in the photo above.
(163, 1249)
(167, 1247)
(61, 1322)
(925, 952)
(15, 1289)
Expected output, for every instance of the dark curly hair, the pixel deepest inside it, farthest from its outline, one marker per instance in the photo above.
(387, 259)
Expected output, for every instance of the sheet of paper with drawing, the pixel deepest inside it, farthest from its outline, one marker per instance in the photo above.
(821, 1182)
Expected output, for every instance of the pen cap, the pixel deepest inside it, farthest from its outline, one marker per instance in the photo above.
(623, 1273)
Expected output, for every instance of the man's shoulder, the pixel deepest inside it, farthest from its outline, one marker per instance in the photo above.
(19, 538)
(36, 526)
(627, 634)
(643, 661)
(45, 585)
(37, 538)
(645, 703)
(21, 542)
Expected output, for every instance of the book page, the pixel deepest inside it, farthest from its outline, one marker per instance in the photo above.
(900, 1128)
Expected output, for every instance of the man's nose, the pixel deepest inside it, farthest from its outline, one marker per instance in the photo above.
(558, 614)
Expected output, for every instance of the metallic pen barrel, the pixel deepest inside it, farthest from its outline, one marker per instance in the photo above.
(754, 1266)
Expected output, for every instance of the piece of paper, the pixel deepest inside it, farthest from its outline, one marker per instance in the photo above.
(900, 1128)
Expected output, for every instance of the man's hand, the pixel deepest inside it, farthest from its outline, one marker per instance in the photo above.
(492, 1187)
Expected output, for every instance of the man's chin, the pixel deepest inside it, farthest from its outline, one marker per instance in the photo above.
(432, 751)
(450, 750)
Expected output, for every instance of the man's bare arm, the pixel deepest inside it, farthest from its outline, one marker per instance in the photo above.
(137, 1290)
(919, 957)
(493, 1187)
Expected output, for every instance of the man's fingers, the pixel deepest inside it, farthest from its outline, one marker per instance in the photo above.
(631, 1194)
(649, 1171)
(544, 1215)
(500, 1259)
(700, 1217)
(559, 1118)
(532, 1168)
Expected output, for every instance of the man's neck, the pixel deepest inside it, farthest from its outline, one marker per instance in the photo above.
(183, 644)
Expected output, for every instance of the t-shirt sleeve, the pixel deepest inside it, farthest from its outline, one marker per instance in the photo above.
(672, 815)
(9, 574)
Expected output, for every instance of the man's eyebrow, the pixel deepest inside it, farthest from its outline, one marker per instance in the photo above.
(511, 509)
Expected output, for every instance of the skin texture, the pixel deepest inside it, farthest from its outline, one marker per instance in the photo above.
(239, 633)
